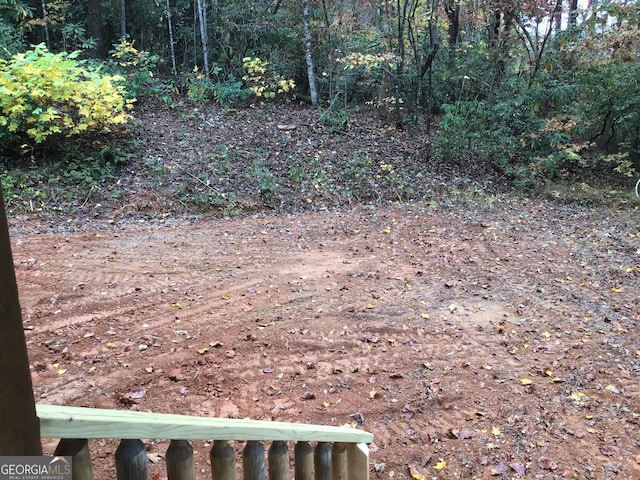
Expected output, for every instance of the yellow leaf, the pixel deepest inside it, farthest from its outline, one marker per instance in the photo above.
(304, 332)
(149, 369)
(557, 379)
(616, 289)
(92, 369)
(441, 465)
(549, 373)
(61, 371)
(526, 381)
(545, 334)
(202, 351)
(373, 394)
(371, 305)
(325, 404)
(425, 316)
(56, 365)
(175, 305)
(225, 296)
(111, 345)
(496, 431)
(404, 326)
(588, 416)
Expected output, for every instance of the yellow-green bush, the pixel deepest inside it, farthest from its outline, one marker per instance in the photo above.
(45, 95)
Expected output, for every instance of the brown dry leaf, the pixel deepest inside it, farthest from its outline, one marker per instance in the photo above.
(462, 434)
(408, 411)
(518, 468)
(247, 307)
(547, 464)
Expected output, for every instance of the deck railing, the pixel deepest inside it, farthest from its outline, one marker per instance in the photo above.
(337, 453)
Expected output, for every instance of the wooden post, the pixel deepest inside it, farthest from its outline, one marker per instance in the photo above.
(339, 461)
(180, 464)
(223, 461)
(20, 432)
(358, 463)
(78, 450)
(131, 460)
(278, 461)
(322, 461)
(253, 467)
(303, 457)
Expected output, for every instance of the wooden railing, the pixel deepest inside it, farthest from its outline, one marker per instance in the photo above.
(339, 453)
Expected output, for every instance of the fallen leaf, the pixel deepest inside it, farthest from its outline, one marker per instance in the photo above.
(62, 371)
(462, 434)
(498, 470)
(425, 316)
(136, 395)
(526, 381)
(149, 369)
(547, 464)
(111, 345)
(202, 351)
(608, 449)
(612, 389)
(441, 465)
(616, 289)
(373, 394)
(545, 334)
(518, 468)
(408, 411)
(225, 296)
(496, 431)
(370, 306)
(413, 471)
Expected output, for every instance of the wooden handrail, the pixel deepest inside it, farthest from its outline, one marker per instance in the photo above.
(80, 422)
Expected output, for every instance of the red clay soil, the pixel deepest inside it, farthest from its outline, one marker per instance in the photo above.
(495, 343)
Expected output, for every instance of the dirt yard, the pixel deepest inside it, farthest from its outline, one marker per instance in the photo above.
(495, 343)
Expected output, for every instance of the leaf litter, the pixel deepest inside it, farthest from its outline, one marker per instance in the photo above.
(458, 314)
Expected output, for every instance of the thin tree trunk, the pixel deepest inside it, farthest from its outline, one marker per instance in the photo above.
(573, 14)
(123, 19)
(20, 432)
(45, 18)
(202, 18)
(313, 91)
(173, 51)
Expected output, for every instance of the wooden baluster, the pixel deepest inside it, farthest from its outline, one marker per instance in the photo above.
(131, 460)
(358, 463)
(180, 464)
(339, 461)
(303, 456)
(278, 461)
(253, 467)
(223, 461)
(322, 461)
(78, 450)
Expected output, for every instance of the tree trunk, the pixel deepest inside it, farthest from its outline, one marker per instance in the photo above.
(45, 19)
(202, 19)
(123, 19)
(313, 92)
(171, 46)
(96, 30)
(20, 432)
(573, 14)
(452, 9)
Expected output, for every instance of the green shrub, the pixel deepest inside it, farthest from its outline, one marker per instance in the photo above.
(45, 95)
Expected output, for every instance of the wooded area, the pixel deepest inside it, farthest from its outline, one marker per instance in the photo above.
(536, 89)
